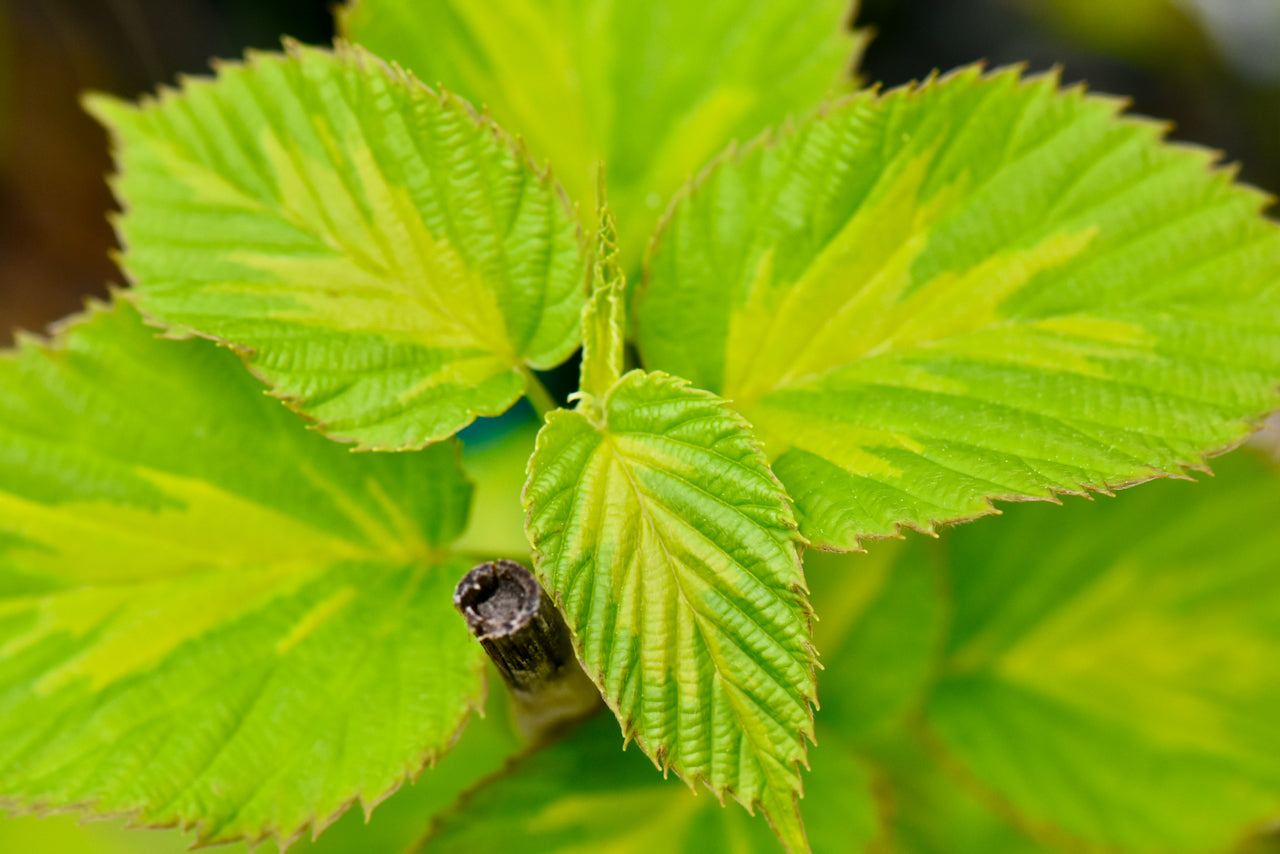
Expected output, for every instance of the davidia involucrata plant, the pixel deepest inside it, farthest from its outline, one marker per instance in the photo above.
(858, 312)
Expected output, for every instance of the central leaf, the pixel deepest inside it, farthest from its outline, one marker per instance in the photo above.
(663, 535)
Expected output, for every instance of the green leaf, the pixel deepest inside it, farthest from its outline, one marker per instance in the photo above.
(68, 834)
(210, 615)
(653, 89)
(669, 545)
(585, 794)
(389, 263)
(485, 747)
(881, 626)
(982, 287)
(1112, 672)
(934, 813)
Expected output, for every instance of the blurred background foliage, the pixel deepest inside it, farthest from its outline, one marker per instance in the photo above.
(1210, 66)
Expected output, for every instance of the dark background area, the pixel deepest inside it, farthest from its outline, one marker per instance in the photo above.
(1221, 86)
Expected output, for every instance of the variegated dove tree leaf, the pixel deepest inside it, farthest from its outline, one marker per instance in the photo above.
(209, 615)
(981, 287)
(391, 264)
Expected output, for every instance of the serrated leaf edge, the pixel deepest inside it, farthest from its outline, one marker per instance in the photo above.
(55, 340)
(366, 61)
(800, 592)
(1212, 159)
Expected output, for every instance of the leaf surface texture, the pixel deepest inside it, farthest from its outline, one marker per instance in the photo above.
(653, 89)
(669, 545)
(387, 261)
(209, 615)
(982, 287)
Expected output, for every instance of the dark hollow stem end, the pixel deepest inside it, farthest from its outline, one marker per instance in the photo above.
(498, 599)
(529, 643)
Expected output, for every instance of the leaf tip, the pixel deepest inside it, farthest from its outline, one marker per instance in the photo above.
(786, 822)
(106, 109)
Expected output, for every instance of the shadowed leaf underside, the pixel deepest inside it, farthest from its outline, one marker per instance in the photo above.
(586, 794)
(1111, 675)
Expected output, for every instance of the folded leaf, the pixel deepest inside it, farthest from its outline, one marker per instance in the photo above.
(585, 794)
(209, 615)
(388, 262)
(982, 287)
(1112, 674)
(604, 326)
(660, 531)
(654, 88)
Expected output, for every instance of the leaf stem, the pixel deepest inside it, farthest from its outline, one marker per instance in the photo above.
(543, 403)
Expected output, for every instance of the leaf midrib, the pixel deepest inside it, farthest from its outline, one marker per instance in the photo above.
(730, 688)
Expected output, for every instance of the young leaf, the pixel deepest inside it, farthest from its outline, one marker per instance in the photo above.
(389, 263)
(1112, 671)
(604, 326)
(653, 89)
(584, 793)
(982, 287)
(209, 615)
(661, 533)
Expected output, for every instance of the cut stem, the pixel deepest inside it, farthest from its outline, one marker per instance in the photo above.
(528, 641)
